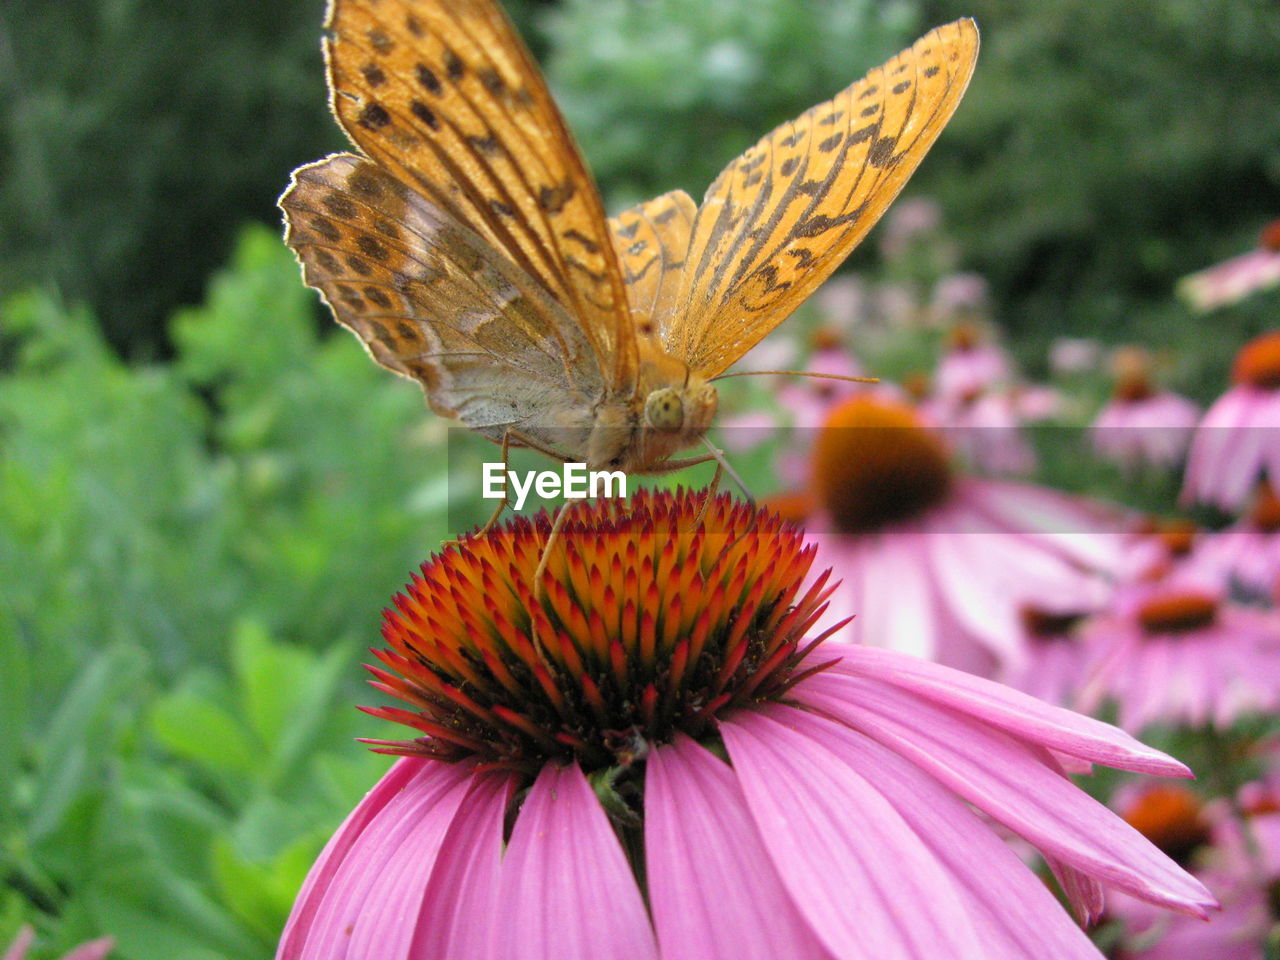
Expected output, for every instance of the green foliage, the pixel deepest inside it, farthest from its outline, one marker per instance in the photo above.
(1106, 149)
(169, 765)
(137, 135)
(664, 94)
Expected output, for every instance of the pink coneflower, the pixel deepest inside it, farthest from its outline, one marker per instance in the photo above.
(1177, 652)
(1232, 280)
(1248, 552)
(1055, 665)
(89, 950)
(939, 564)
(808, 398)
(1170, 548)
(960, 295)
(1208, 838)
(970, 365)
(1069, 356)
(986, 430)
(1239, 438)
(644, 757)
(1140, 425)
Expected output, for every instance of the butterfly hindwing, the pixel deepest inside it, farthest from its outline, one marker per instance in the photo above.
(446, 97)
(433, 301)
(651, 240)
(784, 215)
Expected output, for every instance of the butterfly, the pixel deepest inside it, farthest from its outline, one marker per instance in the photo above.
(468, 248)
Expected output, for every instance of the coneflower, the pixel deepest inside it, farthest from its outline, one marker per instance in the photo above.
(650, 755)
(1238, 441)
(938, 563)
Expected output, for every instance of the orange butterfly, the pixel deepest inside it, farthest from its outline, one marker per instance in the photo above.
(469, 249)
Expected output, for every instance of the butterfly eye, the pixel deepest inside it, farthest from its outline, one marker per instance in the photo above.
(664, 410)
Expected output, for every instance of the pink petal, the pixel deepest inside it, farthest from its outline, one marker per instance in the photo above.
(21, 943)
(459, 916)
(386, 848)
(712, 886)
(1015, 914)
(567, 891)
(866, 883)
(890, 565)
(92, 950)
(1010, 782)
(1023, 716)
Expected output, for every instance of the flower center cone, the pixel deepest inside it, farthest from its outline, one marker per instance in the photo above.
(875, 465)
(1258, 363)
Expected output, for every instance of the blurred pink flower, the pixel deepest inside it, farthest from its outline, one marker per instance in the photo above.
(986, 430)
(970, 365)
(1071, 355)
(1034, 402)
(959, 294)
(1056, 662)
(89, 950)
(1232, 280)
(1139, 428)
(1176, 549)
(1173, 819)
(939, 564)
(1248, 552)
(827, 802)
(843, 300)
(1238, 441)
(808, 398)
(908, 221)
(1176, 651)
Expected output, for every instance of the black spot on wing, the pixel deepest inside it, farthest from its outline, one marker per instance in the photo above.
(427, 78)
(372, 248)
(881, 151)
(374, 116)
(424, 114)
(339, 206)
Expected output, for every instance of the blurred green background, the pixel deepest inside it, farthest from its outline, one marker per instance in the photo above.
(207, 494)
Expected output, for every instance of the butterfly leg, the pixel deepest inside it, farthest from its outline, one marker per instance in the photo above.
(506, 500)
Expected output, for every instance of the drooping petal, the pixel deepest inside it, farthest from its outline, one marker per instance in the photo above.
(896, 567)
(1010, 782)
(567, 892)
(459, 916)
(98, 949)
(713, 889)
(855, 869)
(21, 943)
(1015, 914)
(376, 866)
(1011, 710)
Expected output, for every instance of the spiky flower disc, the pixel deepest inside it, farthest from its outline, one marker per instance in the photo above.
(646, 623)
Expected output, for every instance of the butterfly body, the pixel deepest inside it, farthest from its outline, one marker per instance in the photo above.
(670, 410)
(468, 248)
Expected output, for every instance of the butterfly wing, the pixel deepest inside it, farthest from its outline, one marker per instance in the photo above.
(432, 300)
(651, 240)
(785, 214)
(446, 97)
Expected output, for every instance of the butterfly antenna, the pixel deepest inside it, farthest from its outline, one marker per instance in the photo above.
(795, 373)
(718, 456)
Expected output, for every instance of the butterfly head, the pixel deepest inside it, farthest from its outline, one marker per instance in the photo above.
(681, 410)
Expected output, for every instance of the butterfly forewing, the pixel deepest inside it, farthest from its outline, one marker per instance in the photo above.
(444, 95)
(651, 240)
(785, 214)
(432, 300)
